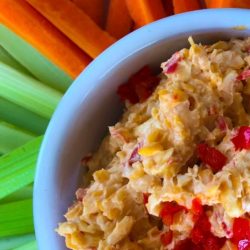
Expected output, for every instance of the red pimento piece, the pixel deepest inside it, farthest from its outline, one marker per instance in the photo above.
(201, 229)
(243, 75)
(201, 237)
(197, 208)
(145, 198)
(171, 65)
(241, 232)
(186, 245)
(134, 157)
(166, 238)
(211, 156)
(86, 159)
(242, 139)
(222, 123)
(213, 243)
(169, 209)
(139, 86)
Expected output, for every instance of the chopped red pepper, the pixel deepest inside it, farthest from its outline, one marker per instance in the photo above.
(169, 209)
(211, 156)
(145, 197)
(186, 244)
(134, 157)
(201, 229)
(241, 233)
(201, 237)
(197, 208)
(201, 234)
(166, 238)
(242, 139)
(222, 123)
(244, 75)
(139, 86)
(171, 65)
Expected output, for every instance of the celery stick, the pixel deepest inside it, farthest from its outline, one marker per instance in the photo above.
(16, 218)
(12, 137)
(17, 167)
(35, 62)
(6, 58)
(28, 246)
(27, 92)
(21, 194)
(22, 118)
(7, 243)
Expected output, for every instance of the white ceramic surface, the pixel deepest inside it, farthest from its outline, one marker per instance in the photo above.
(91, 104)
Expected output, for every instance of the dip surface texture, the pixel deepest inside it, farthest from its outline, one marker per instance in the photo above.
(174, 173)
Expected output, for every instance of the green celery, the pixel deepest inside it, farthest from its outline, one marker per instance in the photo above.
(35, 62)
(21, 194)
(12, 242)
(28, 246)
(27, 92)
(17, 167)
(22, 118)
(16, 218)
(12, 137)
(6, 58)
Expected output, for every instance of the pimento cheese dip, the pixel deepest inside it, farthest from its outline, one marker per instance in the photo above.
(174, 172)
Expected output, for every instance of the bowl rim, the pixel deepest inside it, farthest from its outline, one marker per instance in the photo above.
(118, 52)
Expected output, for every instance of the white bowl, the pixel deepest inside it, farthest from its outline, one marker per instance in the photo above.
(91, 104)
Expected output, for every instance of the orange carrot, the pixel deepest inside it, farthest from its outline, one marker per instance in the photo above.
(181, 6)
(119, 21)
(228, 3)
(93, 8)
(145, 11)
(168, 6)
(42, 35)
(75, 24)
(218, 3)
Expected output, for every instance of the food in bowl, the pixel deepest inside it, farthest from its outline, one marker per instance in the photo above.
(174, 173)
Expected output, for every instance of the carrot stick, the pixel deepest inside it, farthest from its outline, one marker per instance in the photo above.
(145, 11)
(93, 8)
(35, 29)
(119, 21)
(217, 3)
(168, 6)
(181, 6)
(227, 3)
(75, 24)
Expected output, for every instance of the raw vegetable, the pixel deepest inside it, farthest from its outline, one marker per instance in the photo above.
(168, 6)
(145, 11)
(21, 194)
(6, 58)
(16, 218)
(36, 63)
(181, 6)
(227, 3)
(241, 140)
(21, 117)
(28, 246)
(211, 156)
(27, 92)
(139, 86)
(75, 24)
(17, 167)
(12, 137)
(119, 22)
(8, 243)
(21, 18)
(93, 8)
